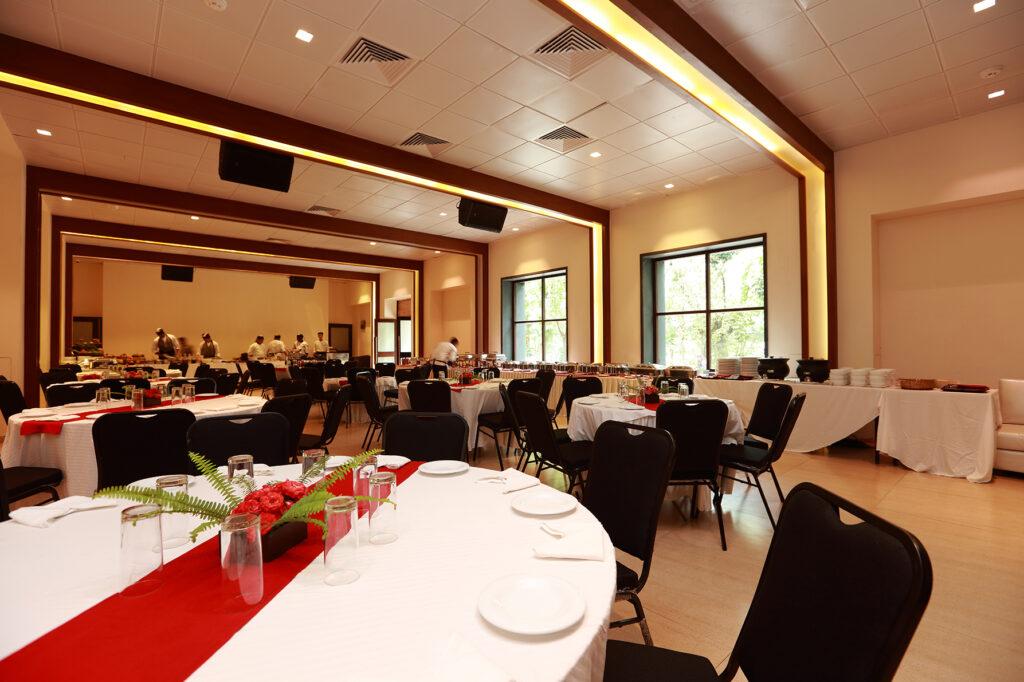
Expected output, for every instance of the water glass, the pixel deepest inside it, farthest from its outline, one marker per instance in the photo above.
(241, 560)
(103, 395)
(188, 393)
(383, 508)
(342, 542)
(312, 458)
(176, 395)
(683, 389)
(138, 399)
(240, 465)
(361, 480)
(142, 551)
(174, 527)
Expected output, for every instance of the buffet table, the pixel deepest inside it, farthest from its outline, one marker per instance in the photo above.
(411, 615)
(468, 401)
(71, 450)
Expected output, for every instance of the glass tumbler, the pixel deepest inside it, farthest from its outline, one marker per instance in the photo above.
(361, 480)
(342, 542)
(176, 395)
(241, 560)
(174, 528)
(683, 389)
(240, 465)
(188, 393)
(142, 551)
(311, 458)
(138, 399)
(103, 395)
(383, 509)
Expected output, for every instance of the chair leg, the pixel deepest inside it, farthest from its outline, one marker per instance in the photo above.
(778, 488)
(757, 484)
(717, 499)
(368, 435)
(634, 599)
(693, 502)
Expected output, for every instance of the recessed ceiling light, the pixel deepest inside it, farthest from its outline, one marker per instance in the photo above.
(442, 214)
(65, 198)
(595, 155)
(669, 185)
(44, 132)
(304, 35)
(373, 243)
(984, 5)
(437, 252)
(515, 229)
(194, 217)
(997, 93)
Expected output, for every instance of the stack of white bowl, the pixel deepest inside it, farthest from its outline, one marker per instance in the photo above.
(728, 366)
(748, 366)
(859, 377)
(882, 378)
(839, 376)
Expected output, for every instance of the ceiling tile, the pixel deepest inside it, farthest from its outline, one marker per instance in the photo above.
(466, 157)
(606, 152)
(821, 96)
(184, 35)
(279, 68)
(634, 137)
(611, 78)
(347, 90)
(528, 124)
(26, 127)
(898, 70)
(192, 73)
(524, 81)
(99, 44)
(889, 40)
(567, 102)
(679, 120)
(706, 135)
(283, 20)
(451, 127)
(782, 42)
(136, 18)
(501, 168)
(109, 145)
(319, 178)
(434, 85)
(262, 95)
(470, 55)
(839, 115)
(175, 140)
(724, 151)
(976, 100)
(948, 17)
(850, 136)
(838, 19)
(995, 36)
(408, 26)
(661, 151)
(918, 115)
(533, 177)
(379, 130)
(529, 154)
(801, 73)
(493, 141)
(928, 88)
(240, 17)
(602, 121)
(561, 167)
(627, 163)
(165, 157)
(648, 100)
(460, 10)
(731, 20)
(706, 174)
(327, 114)
(400, 191)
(482, 105)
(30, 20)
(519, 25)
(742, 164)
(406, 111)
(967, 76)
(119, 127)
(686, 164)
(351, 13)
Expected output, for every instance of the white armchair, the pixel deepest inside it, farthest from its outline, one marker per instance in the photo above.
(1010, 436)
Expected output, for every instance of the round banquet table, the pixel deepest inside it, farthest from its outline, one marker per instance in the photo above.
(609, 382)
(590, 412)
(469, 401)
(396, 622)
(72, 450)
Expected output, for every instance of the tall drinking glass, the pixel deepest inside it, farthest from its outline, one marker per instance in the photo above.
(240, 465)
(383, 509)
(176, 395)
(138, 399)
(311, 458)
(129, 390)
(142, 552)
(361, 479)
(683, 389)
(102, 395)
(241, 560)
(188, 393)
(174, 527)
(342, 542)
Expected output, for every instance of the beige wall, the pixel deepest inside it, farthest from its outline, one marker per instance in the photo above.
(87, 288)
(44, 290)
(975, 157)
(949, 298)
(560, 246)
(12, 257)
(449, 285)
(763, 202)
(351, 302)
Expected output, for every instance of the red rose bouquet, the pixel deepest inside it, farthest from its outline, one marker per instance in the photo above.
(152, 397)
(271, 502)
(466, 378)
(651, 394)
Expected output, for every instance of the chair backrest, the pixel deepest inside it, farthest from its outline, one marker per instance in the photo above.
(226, 383)
(267, 374)
(769, 410)
(12, 401)
(287, 387)
(134, 382)
(72, 367)
(673, 382)
(778, 445)
(62, 394)
(264, 436)
(203, 370)
(351, 373)
(423, 371)
(334, 369)
(629, 472)
(406, 374)
(426, 436)
(511, 415)
(313, 375)
(547, 379)
(430, 395)
(367, 392)
(243, 382)
(578, 387)
(697, 426)
(514, 387)
(335, 411)
(203, 385)
(117, 385)
(385, 369)
(532, 411)
(836, 600)
(134, 445)
(294, 408)
(55, 376)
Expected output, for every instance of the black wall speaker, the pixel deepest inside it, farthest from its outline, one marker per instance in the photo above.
(255, 166)
(176, 273)
(296, 282)
(482, 216)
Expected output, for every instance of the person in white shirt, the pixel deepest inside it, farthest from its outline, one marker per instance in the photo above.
(209, 348)
(164, 345)
(300, 347)
(445, 354)
(256, 350)
(275, 347)
(320, 346)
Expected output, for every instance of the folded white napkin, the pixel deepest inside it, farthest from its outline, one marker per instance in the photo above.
(36, 411)
(43, 517)
(257, 469)
(55, 418)
(460, 660)
(577, 542)
(383, 461)
(512, 480)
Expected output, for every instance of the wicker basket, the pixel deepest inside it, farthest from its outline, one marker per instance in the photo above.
(917, 384)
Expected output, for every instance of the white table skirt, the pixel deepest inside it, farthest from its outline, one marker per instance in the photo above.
(391, 624)
(469, 402)
(952, 434)
(72, 450)
(586, 418)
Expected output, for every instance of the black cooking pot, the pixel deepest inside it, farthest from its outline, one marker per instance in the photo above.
(773, 368)
(811, 369)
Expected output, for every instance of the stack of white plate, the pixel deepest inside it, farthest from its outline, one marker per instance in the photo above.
(859, 377)
(882, 378)
(748, 366)
(728, 366)
(840, 376)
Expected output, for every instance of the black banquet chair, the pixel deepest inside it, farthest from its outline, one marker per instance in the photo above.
(493, 424)
(12, 400)
(332, 420)
(17, 483)
(698, 427)
(836, 601)
(226, 384)
(385, 369)
(134, 445)
(769, 410)
(629, 471)
(55, 376)
(367, 392)
(570, 458)
(203, 385)
(576, 387)
(264, 436)
(430, 395)
(64, 394)
(426, 436)
(294, 408)
(286, 387)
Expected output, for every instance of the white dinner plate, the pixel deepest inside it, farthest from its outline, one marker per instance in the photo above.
(444, 467)
(531, 604)
(544, 502)
(207, 395)
(585, 402)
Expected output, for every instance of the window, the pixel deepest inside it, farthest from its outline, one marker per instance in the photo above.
(705, 303)
(534, 323)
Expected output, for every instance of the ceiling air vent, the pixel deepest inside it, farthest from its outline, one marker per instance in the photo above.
(570, 52)
(428, 145)
(323, 210)
(563, 139)
(372, 60)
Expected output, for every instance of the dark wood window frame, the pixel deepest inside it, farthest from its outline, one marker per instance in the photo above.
(508, 312)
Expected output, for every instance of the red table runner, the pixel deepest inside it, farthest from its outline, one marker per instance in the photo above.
(32, 426)
(170, 632)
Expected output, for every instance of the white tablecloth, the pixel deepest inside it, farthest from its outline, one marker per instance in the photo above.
(953, 434)
(470, 402)
(586, 418)
(457, 536)
(609, 383)
(72, 451)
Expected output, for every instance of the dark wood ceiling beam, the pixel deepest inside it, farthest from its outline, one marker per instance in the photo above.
(52, 66)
